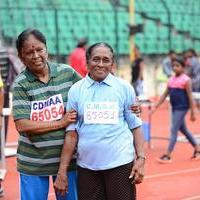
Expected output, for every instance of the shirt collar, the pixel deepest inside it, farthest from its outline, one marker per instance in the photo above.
(108, 80)
(53, 72)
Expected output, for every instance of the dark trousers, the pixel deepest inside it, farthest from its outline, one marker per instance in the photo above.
(111, 184)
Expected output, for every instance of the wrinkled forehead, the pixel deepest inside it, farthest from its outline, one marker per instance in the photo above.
(31, 40)
(102, 51)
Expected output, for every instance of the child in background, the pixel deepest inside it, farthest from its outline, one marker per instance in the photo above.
(180, 93)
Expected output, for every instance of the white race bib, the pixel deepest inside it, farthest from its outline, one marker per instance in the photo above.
(47, 110)
(101, 113)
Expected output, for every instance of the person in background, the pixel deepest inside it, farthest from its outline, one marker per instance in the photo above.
(193, 71)
(9, 70)
(110, 154)
(167, 63)
(1, 115)
(77, 57)
(179, 90)
(137, 73)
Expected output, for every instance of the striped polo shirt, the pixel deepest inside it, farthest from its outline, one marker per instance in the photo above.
(177, 92)
(40, 154)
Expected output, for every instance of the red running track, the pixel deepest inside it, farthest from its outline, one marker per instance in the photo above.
(179, 180)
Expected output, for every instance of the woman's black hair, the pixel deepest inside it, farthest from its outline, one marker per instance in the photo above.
(180, 61)
(23, 36)
(92, 47)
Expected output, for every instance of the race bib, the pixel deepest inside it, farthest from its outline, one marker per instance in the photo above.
(101, 113)
(47, 110)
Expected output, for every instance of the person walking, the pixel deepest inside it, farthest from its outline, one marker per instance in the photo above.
(180, 92)
(110, 154)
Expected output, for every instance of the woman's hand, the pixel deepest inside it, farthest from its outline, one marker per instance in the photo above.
(137, 173)
(192, 116)
(153, 109)
(69, 117)
(136, 108)
(61, 184)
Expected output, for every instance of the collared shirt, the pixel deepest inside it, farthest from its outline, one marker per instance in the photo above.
(103, 145)
(40, 154)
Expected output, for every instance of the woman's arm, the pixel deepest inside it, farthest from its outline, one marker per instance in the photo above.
(162, 98)
(61, 182)
(138, 168)
(189, 94)
(39, 127)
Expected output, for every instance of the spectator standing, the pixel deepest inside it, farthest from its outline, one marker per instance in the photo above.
(167, 63)
(137, 73)
(194, 72)
(77, 57)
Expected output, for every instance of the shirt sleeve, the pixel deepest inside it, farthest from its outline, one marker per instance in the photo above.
(132, 120)
(21, 103)
(76, 77)
(72, 105)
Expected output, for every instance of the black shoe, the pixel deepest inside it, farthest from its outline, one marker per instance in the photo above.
(196, 155)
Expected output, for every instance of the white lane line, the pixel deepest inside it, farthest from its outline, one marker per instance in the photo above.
(192, 198)
(172, 173)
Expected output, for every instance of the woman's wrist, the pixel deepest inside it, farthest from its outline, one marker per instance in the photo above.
(63, 170)
(141, 157)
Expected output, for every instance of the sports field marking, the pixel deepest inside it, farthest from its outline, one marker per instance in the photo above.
(192, 198)
(172, 173)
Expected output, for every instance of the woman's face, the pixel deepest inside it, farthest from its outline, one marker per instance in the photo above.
(34, 55)
(100, 63)
(177, 68)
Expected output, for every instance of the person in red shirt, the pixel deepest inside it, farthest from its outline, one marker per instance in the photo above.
(77, 57)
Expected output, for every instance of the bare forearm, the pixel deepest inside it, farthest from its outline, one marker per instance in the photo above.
(138, 142)
(162, 98)
(67, 151)
(189, 94)
(39, 127)
(191, 103)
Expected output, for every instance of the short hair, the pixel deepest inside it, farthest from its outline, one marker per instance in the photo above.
(92, 47)
(171, 52)
(23, 36)
(82, 42)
